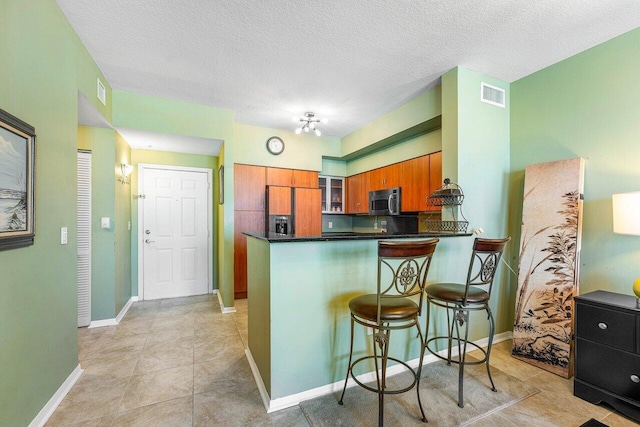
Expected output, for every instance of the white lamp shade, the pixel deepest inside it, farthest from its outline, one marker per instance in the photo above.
(626, 213)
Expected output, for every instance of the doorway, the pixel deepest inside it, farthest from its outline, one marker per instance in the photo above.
(174, 232)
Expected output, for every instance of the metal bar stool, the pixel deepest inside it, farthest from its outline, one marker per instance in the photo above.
(461, 299)
(402, 273)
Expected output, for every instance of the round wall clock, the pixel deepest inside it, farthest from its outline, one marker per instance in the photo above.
(275, 145)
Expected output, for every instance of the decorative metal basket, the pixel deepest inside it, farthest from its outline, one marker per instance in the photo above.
(448, 195)
(434, 226)
(451, 221)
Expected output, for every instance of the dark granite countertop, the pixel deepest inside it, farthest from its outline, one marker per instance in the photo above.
(325, 237)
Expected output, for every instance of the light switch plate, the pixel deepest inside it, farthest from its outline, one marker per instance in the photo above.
(63, 235)
(105, 222)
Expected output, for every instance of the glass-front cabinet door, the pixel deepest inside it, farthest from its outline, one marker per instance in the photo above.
(332, 188)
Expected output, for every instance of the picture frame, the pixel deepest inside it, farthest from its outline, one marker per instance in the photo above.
(221, 185)
(17, 182)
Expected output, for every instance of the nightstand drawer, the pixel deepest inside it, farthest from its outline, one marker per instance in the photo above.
(613, 370)
(605, 326)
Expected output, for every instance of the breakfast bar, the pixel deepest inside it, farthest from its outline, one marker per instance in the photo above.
(299, 289)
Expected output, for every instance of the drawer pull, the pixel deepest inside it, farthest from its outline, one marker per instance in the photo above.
(602, 325)
(635, 378)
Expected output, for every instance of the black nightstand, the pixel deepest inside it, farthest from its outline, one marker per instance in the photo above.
(608, 351)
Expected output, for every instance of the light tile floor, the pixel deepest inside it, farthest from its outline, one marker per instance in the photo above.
(180, 362)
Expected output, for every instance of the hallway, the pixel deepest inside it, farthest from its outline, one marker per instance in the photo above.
(173, 362)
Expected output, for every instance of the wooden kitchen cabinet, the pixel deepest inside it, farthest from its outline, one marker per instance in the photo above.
(249, 187)
(417, 177)
(278, 200)
(305, 179)
(307, 218)
(385, 177)
(243, 221)
(435, 173)
(278, 176)
(415, 184)
(291, 177)
(358, 193)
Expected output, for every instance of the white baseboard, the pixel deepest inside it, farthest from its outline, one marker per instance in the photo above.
(48, 409)
(118, 318)
(223, 309)
(295, 399)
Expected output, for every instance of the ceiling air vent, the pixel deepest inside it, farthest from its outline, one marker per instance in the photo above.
(102, 92)
(491, 95)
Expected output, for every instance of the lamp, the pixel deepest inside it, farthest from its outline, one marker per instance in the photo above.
(125, 171)
(308, 122)
(626, 220)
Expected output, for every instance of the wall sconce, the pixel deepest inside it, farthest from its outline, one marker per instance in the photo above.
(125, 171)
(626, 220)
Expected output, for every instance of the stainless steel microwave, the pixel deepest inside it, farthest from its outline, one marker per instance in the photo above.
(384, 202)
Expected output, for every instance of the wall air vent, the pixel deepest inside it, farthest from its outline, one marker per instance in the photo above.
(492, 95)
(102, 92)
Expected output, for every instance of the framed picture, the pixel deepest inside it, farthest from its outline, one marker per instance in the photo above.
(17, 182)
(221, 185)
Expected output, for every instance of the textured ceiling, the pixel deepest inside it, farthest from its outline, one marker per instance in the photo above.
(350, 61)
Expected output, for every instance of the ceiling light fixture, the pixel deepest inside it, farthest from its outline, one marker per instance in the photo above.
(308, 122)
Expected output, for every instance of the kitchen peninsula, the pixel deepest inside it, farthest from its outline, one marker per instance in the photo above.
(299, 290)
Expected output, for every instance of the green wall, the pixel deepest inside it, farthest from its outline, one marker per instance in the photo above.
(586, 106)
(476, 156)
(302, 151)
(420, 109)
(405, 150)
(110, 248)
(122, 227)
(168, 159)
(101, 142)
(39, 81)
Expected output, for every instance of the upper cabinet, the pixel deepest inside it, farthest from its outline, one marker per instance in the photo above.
(417, 177)
(358, 193)
(332, 194)
(278, 200)
(292, 178)
(415, 184)
(386, 177)
(435, 173)
(249, 187)
(305, 179)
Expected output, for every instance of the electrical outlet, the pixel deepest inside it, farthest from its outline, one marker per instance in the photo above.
(330, 224)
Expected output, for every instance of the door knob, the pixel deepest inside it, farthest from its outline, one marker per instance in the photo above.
(149, 241)
(147, 231)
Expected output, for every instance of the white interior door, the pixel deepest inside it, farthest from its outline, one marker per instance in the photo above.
(175, 233)
(84, 238)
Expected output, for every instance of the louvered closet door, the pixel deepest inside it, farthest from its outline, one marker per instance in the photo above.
(84, 238)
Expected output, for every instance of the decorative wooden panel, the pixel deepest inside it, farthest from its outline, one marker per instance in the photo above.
(548, 266)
